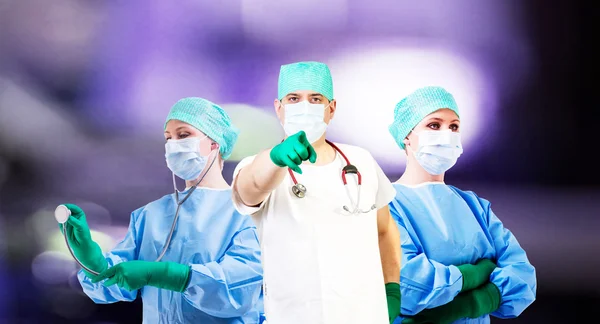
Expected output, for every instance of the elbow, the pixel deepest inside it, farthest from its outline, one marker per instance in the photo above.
(514, 303)
(247, 189)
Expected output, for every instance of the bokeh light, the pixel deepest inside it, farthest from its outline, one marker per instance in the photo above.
(368, 83)
(259, 129)
(69, 304)
(52, 267)
(56, 242)
(284, 21)
(164, 80)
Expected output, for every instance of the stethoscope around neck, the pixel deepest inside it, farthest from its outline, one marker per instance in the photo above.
(62, 214)
(299, 190)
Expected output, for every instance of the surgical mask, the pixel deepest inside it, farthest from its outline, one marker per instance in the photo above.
(438, 150)
(184, 159)
(306, 117)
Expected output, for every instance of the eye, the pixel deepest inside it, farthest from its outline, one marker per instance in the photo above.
(167, 139)
(316, 99)
(454, 127)
(434, 126)
(184, 135)
(293, 99)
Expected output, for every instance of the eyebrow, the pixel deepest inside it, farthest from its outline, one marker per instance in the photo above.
(177, 129)
(441, 120)
(292, 95)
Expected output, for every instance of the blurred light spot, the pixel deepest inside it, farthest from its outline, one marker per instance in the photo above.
(162, 82)
(41, 117)
(71, 22)
(369, 83)
(95, 214)
(70, 305)
(52, 267)
(47, 230)
(73, 282)
(259, 129)
(55, 36)
(56, 242)
(285, 21)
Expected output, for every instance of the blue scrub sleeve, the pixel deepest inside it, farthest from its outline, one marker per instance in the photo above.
(230, 286)
(514, 276)
(424, 283)
(126, 250)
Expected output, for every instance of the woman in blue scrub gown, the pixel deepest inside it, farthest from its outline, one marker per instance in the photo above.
(459, 263)
(211, 271)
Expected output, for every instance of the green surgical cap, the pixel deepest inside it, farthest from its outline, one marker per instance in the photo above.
(312, 76)
(209, 118)
(415, 107)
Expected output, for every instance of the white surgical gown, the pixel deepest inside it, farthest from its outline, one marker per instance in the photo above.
(219, 244)
(442, 227)
(322, 264)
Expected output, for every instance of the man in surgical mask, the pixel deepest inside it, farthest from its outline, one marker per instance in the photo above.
(208, 270)
(324, 244)
(460, 264)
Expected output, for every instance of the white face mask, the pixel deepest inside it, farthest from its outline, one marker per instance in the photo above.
(184, 158)
(307, 117)
(438, 150)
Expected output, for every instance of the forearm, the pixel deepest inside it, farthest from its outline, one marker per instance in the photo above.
(389, 249)
(213, 289)
(471, 304)
(257, 180)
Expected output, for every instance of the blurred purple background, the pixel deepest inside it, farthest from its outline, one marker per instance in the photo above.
(85, 87)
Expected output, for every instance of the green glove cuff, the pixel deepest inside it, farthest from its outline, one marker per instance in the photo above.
(392, 292)
(174, 276)
(468, 272)
(392, 289)
(484, 300)
(476, 275)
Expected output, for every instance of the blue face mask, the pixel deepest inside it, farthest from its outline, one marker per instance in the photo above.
(438, 150)
(184, 159)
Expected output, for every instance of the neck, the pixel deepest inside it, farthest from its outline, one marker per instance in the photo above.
(211, 178)
(414, 174)
(325, 153)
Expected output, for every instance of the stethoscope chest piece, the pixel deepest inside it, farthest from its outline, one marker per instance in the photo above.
(62, 214)
(299, 190)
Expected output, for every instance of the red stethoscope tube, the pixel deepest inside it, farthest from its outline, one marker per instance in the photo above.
(349, 168)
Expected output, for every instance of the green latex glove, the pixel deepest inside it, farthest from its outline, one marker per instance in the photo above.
(392, 292)
(471, 304)
(291, 152)
(477, 274)
(132, 275)
(80, 239)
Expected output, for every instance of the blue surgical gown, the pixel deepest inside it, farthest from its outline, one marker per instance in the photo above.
(220, 245)
(442, 227)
